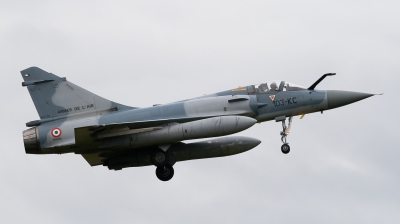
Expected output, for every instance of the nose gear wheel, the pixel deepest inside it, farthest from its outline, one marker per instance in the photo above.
(285, 148)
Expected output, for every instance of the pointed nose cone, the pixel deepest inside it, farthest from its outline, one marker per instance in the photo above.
(338, 98)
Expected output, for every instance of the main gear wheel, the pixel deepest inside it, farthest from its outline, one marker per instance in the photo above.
(165, 173)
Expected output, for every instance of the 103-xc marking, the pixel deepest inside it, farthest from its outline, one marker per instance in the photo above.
(288, 101)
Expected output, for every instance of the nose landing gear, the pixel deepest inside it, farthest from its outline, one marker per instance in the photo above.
(285, 148)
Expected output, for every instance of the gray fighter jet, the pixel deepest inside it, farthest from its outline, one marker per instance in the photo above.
(74, 120)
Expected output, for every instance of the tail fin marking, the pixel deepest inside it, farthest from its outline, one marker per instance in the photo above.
(54, 96)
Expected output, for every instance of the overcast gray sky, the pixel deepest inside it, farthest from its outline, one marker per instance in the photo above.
(344, 165)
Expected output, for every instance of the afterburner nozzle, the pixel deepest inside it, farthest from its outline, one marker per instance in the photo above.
(338, 98)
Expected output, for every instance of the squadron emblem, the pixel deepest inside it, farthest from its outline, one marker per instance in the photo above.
(56, 132)
(272, 97)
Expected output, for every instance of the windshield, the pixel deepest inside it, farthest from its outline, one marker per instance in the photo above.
(293, 87)
(277, 85)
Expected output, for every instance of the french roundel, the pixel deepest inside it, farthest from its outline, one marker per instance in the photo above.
(56, 132)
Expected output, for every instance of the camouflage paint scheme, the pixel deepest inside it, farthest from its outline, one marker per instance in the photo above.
(74, 120)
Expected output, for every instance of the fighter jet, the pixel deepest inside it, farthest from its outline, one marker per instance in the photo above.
(74, 120)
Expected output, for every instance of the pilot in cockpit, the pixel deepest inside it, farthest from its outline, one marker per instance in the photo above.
(274, 87)
(263, 88)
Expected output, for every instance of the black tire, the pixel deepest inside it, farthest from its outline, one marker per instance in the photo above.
(159, 158)
(285, 148)
(165, 173)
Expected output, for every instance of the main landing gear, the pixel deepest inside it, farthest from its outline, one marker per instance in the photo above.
(285, 148)
(164, 171)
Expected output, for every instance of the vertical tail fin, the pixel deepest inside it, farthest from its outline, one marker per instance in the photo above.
(54, 96)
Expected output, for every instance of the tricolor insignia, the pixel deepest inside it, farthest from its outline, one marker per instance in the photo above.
(56, 132)
(272, 97)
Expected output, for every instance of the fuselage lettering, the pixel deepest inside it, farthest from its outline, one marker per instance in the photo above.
(76, 108)
(289, 101)
(65, 110)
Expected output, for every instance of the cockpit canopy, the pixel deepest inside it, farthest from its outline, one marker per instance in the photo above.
(277, 85)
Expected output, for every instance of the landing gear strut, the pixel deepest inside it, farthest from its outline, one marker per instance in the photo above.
(286, 130)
